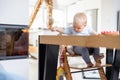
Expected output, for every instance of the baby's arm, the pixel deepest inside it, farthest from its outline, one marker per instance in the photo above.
(92, 32)
(58, 29)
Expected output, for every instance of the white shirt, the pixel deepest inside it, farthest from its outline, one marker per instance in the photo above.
(85, 32)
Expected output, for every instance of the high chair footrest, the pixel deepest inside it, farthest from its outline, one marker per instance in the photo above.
(86, 68)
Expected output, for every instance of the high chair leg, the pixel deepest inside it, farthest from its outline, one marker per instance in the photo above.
(66, 68)
(101, 71)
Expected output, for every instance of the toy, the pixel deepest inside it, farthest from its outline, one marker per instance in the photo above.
(60, 73)
(110, 33)
(60, 70)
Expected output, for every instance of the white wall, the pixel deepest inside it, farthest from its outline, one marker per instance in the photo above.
(82, 6)
(117, 4)
(14, 12)
(108, 14)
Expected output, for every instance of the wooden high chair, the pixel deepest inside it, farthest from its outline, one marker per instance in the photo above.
(67, 67)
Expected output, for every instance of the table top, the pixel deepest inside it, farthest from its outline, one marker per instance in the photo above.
(108, 41)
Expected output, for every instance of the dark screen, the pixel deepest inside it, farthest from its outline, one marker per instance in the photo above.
(13, 43)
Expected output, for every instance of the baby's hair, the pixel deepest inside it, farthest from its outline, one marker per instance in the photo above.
(80, 18)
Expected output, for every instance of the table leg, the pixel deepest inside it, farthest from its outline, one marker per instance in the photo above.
(48, 57)
(109, 60)
(116, 66)
(115, 73)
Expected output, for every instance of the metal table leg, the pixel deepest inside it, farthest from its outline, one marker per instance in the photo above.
(48, 57)
(109, 60)
(116, 66)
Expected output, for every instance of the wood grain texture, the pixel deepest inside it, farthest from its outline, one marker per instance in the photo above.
(108, 41)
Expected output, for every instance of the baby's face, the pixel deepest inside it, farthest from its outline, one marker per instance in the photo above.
(78, 27)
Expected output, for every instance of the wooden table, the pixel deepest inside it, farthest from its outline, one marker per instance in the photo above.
(49, 48)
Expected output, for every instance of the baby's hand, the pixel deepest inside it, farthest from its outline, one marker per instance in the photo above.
(58, 29)
(54, 28)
